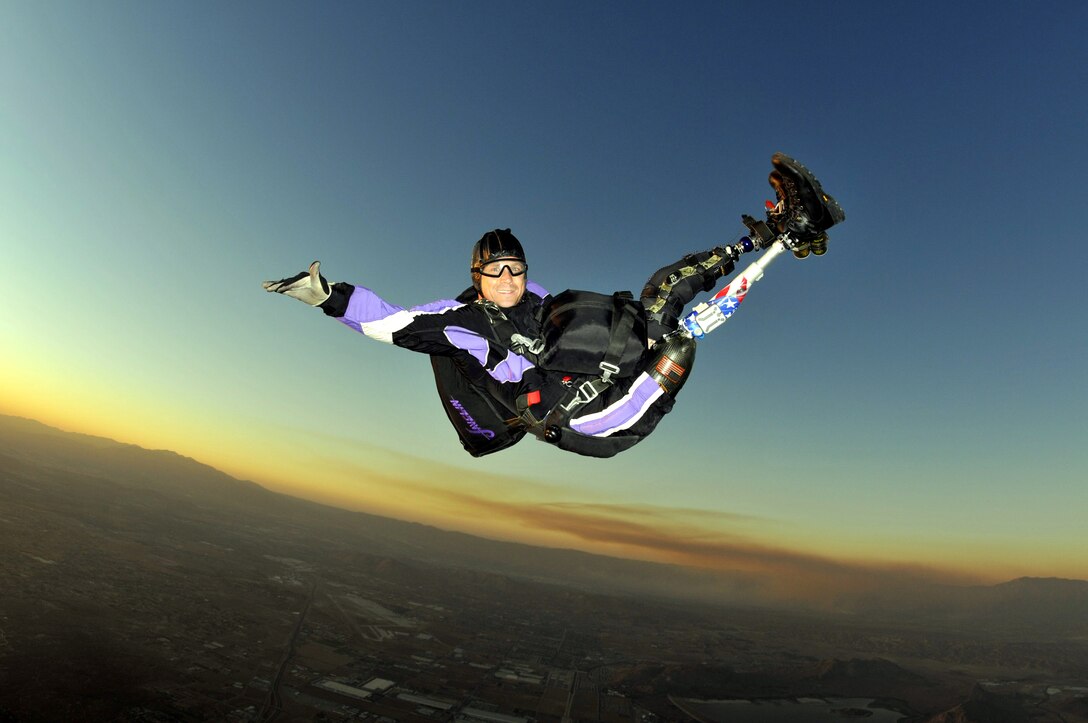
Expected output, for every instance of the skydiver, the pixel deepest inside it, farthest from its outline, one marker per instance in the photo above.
(589, 373)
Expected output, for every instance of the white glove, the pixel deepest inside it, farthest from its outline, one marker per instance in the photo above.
(309, 286)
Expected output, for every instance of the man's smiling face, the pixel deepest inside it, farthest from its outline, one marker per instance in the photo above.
(505, 288)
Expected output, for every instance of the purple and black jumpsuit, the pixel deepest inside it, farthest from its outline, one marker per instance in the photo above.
(623, 413)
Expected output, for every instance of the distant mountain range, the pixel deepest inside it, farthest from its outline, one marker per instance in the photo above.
(1040, 607)
(171, 477)
(165, 479)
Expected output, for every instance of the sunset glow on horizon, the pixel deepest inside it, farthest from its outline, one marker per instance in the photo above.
(888, 412)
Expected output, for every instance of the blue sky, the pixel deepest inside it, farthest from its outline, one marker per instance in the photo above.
(915, 396)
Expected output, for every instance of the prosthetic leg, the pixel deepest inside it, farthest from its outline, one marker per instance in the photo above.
(799, 222)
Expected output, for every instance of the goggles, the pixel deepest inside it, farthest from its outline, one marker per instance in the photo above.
(495, 268)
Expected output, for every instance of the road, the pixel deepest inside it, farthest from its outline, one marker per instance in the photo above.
(274, 705)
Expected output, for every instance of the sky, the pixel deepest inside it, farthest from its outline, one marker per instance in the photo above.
(912, 403)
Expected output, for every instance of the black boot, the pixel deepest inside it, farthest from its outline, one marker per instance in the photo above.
(804, 210)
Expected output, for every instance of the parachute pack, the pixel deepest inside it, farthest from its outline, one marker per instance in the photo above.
(587, 333)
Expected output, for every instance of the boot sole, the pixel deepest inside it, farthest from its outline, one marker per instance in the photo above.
(796, 168)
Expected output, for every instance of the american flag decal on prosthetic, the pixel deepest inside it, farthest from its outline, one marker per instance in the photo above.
(669, 369)
(707, 316)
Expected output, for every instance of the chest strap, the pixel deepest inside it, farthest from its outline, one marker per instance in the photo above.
(507, 334)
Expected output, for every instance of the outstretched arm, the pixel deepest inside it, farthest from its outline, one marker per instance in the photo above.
(434, 328)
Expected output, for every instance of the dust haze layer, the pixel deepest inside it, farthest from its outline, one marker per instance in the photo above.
(100, 469)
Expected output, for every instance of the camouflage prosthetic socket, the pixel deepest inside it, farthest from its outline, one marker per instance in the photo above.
(672, 287)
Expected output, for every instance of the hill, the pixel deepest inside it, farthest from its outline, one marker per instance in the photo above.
(173, 483)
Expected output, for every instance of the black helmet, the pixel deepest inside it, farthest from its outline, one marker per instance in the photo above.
(493, 246)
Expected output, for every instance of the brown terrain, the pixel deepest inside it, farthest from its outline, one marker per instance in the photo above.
(143, 586)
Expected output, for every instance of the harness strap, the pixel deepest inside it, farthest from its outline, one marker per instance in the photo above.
(528, 421)
(523, 344)
(557, 417)
(623, 321)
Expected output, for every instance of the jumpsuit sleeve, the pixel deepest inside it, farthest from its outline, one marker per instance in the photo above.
(446, 327)
(423, 328)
